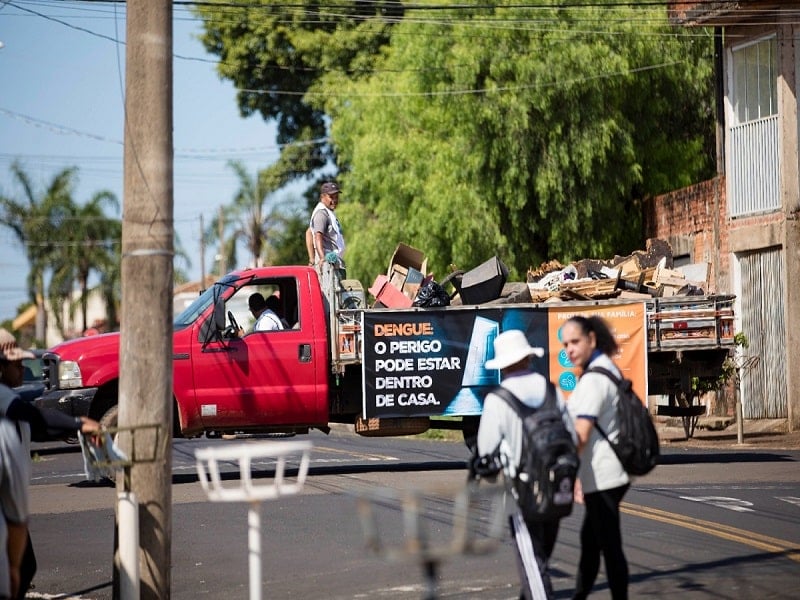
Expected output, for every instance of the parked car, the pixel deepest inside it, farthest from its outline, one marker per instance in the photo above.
(32, 383)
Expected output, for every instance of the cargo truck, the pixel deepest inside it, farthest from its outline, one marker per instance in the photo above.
(384, 371)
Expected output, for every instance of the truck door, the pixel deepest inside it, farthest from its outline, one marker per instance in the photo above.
(261, 378)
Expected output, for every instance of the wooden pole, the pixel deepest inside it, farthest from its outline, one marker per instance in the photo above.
(145, 394)
(223, 268)
(202, 255)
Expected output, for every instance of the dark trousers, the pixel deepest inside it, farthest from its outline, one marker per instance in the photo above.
(543, 538)
(600, 533)
(27, 569)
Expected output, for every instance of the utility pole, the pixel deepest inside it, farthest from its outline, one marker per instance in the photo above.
(145, 390)
(202, 255)
(223, 268)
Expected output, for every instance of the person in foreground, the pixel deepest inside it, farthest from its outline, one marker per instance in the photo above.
(603, 481)
(31, 423)
(14, 478)
(501, 428)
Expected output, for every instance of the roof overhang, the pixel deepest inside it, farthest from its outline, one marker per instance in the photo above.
(25, 318)
(713, 13)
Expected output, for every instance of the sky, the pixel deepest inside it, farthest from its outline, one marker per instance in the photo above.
(62, 80)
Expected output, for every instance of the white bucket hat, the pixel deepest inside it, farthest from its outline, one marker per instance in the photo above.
(510, 347)
(9, 350)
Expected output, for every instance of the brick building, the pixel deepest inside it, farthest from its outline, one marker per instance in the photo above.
(744, 222)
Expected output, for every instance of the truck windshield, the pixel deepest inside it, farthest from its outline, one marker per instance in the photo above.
(195, 309)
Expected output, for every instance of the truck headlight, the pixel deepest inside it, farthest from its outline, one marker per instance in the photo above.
(69, 375)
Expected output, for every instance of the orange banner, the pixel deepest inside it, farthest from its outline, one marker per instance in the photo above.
(628, 323)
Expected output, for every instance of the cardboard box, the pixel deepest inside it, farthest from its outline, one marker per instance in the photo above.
(484, 283)
(408, 257)
(412, 283)
(398, 276)
(388, 295)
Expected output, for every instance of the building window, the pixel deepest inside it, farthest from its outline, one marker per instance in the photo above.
(753, 151)
(755, 70)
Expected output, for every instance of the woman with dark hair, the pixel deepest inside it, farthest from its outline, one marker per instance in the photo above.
(603, 481)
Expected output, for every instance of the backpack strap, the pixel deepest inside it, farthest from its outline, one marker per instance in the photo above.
(516, 403)
(617, 381)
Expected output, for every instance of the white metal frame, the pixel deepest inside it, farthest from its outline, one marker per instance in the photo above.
(250, 490)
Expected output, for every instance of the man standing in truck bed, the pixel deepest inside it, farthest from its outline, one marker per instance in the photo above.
(327, 237)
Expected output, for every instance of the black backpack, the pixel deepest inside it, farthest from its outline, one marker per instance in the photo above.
(549, 462)
(637, 445)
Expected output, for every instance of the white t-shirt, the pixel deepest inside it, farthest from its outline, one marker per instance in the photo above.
(500, 424)
(595, 397)
(324, 221)
(268, 321)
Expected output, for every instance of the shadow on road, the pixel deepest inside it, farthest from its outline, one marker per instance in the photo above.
(454, 465)
(713, 457)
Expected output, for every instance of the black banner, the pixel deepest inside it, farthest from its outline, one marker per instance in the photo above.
(431, 362)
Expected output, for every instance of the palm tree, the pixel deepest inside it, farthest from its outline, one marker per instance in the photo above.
(35, 220)
(91, 243)
(249, 219)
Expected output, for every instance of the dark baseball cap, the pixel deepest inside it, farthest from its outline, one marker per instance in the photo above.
(330, 187)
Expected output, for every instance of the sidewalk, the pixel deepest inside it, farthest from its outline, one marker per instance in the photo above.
(721, 432)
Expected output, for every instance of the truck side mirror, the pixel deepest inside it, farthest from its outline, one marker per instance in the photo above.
(212, 328)
(219, 314)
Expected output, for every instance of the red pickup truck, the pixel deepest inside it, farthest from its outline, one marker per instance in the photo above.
(225, 377)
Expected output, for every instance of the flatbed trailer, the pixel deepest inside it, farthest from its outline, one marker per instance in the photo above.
(689, 339)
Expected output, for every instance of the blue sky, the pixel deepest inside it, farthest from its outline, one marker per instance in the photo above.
(61, 105)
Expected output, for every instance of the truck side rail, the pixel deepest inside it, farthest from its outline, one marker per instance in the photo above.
(689, 322)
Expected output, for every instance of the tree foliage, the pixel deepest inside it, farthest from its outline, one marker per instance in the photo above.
(88, 243)
(255, 218)
(64, 242)
(528, 132)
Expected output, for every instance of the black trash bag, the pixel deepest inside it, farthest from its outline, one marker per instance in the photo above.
(690, 290)
(431, 294)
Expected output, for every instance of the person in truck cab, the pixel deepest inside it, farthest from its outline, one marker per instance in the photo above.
(266, 318)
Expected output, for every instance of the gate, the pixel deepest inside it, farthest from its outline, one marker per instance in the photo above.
(763, 387)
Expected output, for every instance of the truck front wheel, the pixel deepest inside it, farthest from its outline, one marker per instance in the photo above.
(111, 418)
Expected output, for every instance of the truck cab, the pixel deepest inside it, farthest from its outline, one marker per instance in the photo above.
(226, 377)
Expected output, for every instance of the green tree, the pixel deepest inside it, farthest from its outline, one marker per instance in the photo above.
(528, 141)
(531, 132)
(275, 53)
(90, 243)
(36, 218)
(252, 219)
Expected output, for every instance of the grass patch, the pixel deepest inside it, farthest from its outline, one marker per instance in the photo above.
(446, 435)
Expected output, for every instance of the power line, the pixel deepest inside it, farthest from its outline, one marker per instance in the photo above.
(187, 152)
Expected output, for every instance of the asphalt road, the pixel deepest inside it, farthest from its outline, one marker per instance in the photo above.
(707, 523)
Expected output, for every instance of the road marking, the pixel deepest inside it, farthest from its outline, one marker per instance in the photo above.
(789, 499)
(726, 532)
(722, 502)
(355, 455)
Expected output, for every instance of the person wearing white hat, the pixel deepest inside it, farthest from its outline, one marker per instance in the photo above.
(501, 427)
(32, 423)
